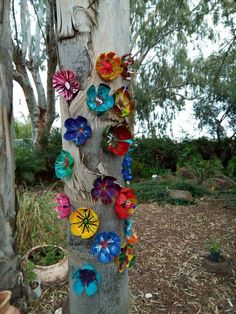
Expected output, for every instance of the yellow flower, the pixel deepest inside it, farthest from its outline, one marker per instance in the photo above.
(123, 104)
(84, 223)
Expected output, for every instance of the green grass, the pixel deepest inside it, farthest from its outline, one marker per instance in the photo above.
(150, 190)
(37, 222)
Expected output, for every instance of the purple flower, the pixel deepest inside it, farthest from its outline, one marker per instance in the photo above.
(105, 189)
(106, 245)
(66, 83)
(78, 130)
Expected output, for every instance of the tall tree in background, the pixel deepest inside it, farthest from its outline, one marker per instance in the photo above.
(9, 262)
(85, 29)
(34, 51)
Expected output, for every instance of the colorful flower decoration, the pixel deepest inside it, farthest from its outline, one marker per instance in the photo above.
(84, 223)
(131, 237)
(126, 203)
(128, 70)
(63, 205)
(100, 100)
(64, 165)
(123, 104)
(105, 189)
(66, 83)
(126, 258)
(109, 66)
(116, 139)
(126, 169)
(78, 130)
(106, 245)
(86, 279)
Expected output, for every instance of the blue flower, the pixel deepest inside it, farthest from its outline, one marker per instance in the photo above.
(78, 130)
(86, 278)
(126, 171)
(64, 165)
(106, 245)
(99, 100)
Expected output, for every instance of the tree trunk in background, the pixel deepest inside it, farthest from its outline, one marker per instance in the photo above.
(9, 263)
(85, 29)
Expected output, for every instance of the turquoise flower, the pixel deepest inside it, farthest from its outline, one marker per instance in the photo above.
(99, 100)
(86, 278)
(64, 165)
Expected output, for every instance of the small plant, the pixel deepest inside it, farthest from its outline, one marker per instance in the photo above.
(214, 250)
(31, 275)
(46, 256)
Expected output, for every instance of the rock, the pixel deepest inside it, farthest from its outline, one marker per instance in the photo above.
(219, 183)
(148, 295)
(186, 173)
(180, 194)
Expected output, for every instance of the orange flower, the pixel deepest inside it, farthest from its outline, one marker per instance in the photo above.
(109, 66)
(123, 104)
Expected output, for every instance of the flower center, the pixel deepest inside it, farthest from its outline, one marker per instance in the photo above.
(81, 130)
(85, 221)
(87, 276)
(107, 67)
(66, 163)
(67, 85)
(104, 244)
(99, 100)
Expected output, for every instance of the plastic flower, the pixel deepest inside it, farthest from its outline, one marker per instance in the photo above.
(66, 83)
(131, 236)
(109, 66)
(84, 223)
(63, 205)
(132, 239)
(78, 130)
(126, 257)
(100, 100)
(116, 139)
(64, 165)
(126, 169)
(125, 203)
(105, 189)
(106, 245)
(128, 70)
(123, 104)
(86, 279)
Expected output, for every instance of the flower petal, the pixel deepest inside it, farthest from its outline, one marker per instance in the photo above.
(91, 288)
(104, 257)
(91, 93)
(114, 249)
(103, 90)
(70, 123)
(70, 135)
(78, 287)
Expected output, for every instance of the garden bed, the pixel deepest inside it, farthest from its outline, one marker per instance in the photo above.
(169, 276)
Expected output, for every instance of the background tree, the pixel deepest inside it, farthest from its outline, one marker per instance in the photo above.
(9, 263)
(34, 52)
(85, 29)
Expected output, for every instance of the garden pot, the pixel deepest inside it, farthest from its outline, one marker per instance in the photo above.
(5, 307)
(214, 256)
(222, 266)
(50, 275)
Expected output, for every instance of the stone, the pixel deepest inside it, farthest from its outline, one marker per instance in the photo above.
(180, 194)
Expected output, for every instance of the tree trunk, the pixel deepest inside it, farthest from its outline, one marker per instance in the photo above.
(9, 263)
(85, 29)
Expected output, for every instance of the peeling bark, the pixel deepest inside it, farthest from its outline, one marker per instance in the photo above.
(85, 31)
(9, 263)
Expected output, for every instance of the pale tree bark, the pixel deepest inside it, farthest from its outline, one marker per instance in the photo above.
(28, 58)
(85, 29)
(10, 276)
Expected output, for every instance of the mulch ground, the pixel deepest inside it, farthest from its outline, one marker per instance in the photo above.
(169, 276)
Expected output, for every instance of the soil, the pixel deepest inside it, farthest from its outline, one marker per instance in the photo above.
(169, 276)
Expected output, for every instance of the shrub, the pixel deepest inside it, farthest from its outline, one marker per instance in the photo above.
(231, 167)
(195, 189)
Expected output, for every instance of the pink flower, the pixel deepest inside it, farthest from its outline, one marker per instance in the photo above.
(63, 205)
(66, 83)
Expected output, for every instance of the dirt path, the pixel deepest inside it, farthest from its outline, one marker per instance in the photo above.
(170, 255)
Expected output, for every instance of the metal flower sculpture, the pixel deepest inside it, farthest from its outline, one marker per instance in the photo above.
(109, 66)
(84, 223)
(64, 165)
(66, 83)
(106, 245)
(78, 130)
(86, 279)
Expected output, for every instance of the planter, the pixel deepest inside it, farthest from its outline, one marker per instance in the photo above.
(49, 275)
(222, 266)
(5, 307)
(35, 289)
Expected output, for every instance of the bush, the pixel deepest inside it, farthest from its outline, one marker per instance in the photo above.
(231, 168)
(195, 189)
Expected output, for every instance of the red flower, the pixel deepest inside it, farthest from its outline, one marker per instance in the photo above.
(126, 203)
(116, 139)
(66, 83)
(109, 66)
